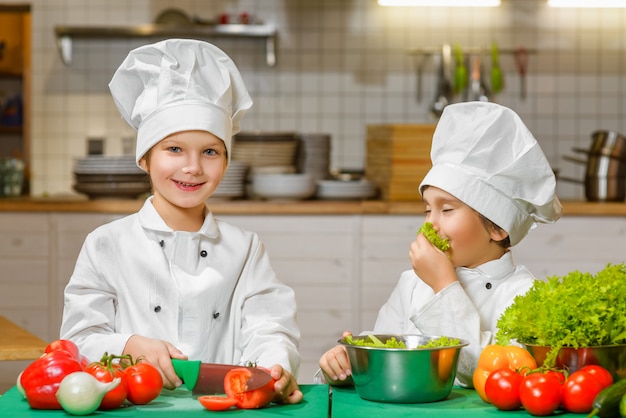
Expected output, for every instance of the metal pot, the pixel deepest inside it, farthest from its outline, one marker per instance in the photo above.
(608, 143)
(605, 179)
(605, 174)
(605, 189)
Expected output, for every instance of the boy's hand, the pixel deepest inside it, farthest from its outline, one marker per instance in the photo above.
(431, 265)
(335, 365)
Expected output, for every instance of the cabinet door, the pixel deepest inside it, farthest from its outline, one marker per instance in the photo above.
(315, 256)
(24, 282)
(71, 231)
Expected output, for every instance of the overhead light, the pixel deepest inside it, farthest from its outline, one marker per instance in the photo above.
(588, 3)
(441, 3)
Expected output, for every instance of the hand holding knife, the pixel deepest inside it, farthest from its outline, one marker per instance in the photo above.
(208, 378)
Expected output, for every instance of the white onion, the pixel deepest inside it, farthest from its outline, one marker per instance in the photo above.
(19, 386)
(80, 393)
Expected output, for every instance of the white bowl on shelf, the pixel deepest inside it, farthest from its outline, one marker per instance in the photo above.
(283, 186)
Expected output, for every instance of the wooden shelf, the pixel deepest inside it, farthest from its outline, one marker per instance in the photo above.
(10, 130)
(66, 34)
(6, 74)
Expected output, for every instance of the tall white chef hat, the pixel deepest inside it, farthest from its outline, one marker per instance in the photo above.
(484, 155)
(178, 85)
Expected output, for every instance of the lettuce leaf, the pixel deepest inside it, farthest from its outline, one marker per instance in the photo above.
(433, 237)
(375, 342)
(575, 310)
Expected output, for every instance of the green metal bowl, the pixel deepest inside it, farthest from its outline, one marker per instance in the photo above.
(611, 357)
(403, 375)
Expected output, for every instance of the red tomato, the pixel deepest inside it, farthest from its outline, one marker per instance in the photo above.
(235, 386)
(579, 391)
(217, 403)
(115, 397)
(602, 375)
(144, 383)
(558, 375)
(540, 393)
(502, 389)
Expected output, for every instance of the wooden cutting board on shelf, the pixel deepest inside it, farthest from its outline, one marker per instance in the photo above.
(18, 344)
(398, 158)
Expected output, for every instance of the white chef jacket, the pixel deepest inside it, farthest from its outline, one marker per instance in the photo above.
(468, 309)
(213, 293)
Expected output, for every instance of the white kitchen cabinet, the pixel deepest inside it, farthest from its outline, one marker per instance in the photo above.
(318, 257)
(70, 231)
(341, 267)
(24, 277)
(24, 286)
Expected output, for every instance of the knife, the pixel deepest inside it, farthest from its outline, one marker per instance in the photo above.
(208, 378)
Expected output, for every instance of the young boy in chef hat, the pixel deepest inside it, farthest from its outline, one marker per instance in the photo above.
(172, 281)
(489, 185)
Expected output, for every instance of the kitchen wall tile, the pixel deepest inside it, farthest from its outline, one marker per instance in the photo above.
(341, 65)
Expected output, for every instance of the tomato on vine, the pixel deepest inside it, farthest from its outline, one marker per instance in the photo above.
(502, 389)
(579, 391)
(540, 393)
(602, 375)
(144, 382)
(105, 371)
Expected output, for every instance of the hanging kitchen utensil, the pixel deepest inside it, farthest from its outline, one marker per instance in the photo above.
(419, 66)
(460, 72)
(443, 97)
(521, 61)
(478, 90)
(497, 79)
(174, 17)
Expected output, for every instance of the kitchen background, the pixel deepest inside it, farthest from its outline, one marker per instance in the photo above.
(341, 65)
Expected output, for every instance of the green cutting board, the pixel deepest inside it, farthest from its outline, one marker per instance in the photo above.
(176, 403)
(461, 402)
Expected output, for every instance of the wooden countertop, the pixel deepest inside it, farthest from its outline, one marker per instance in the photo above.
(18, 344)
(257, 207)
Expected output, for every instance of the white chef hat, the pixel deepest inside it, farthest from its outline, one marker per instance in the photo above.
(484, 155)
(179, 85)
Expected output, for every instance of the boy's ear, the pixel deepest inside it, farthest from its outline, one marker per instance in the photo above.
(498, 234)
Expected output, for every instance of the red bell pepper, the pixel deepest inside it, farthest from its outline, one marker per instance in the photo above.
(41, 379)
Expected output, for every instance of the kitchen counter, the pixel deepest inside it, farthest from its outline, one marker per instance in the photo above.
(18, 344)
(344, 403)
(258, 207)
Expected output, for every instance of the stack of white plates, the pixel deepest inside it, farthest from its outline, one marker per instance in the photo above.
(265, 149)
(314, 155)
(345, 190)
(100, 176)
(233, 184)
(283, 186)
